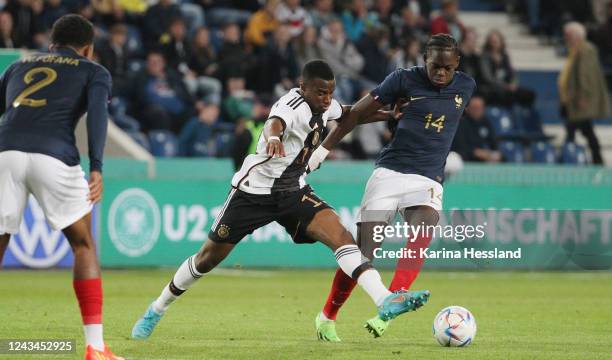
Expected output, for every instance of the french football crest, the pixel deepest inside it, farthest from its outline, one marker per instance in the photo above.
(458, 101)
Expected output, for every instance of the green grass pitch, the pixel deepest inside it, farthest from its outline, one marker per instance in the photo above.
(270, 315)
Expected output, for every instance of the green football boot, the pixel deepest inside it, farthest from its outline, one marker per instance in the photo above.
(376, 326)
(326, 330)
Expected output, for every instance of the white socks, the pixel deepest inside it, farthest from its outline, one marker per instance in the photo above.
(185, 276)
(349, 259)
(93, 336)
(371, 282)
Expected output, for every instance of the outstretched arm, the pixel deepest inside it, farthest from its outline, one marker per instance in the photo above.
(359, 113)
(364, 111)
(273, 132)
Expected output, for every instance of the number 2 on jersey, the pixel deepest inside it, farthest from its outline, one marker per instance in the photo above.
(22, 99)
(437, 123)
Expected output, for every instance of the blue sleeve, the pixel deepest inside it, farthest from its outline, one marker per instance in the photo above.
(3, 84)
(390, 89)
(98, 95)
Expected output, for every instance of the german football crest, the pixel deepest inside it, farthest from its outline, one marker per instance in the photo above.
(223, 231)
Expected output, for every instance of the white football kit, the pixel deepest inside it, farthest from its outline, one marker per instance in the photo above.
(262, 174)
(61, 190)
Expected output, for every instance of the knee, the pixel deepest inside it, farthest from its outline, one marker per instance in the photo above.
(80, 244)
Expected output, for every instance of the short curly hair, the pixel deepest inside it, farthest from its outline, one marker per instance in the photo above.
(72, 30)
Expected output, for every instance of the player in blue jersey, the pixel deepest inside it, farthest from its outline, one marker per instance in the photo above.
(42, 97)
(409, 170)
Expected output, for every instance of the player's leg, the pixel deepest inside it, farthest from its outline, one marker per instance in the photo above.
(376, 196)
(62, 193)
(326, 228)
(416, 190)
(407, 269)
(4, 240)
(343, 285)
(14, 195)
(242, 213)
(191, 270)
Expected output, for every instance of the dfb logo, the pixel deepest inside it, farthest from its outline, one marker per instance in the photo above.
(37, 245)
(134, 222)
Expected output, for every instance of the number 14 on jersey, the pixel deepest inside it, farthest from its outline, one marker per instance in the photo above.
(437, 123)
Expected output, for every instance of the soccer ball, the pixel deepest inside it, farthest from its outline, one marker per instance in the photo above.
(454, 326)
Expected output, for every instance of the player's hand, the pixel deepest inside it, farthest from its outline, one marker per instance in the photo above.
(96, 186)
(397, 109)
(316, 159)
(275, 147)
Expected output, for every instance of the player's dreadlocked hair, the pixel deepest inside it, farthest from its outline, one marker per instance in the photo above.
(317, 69)
(72, 30)
(443, 42)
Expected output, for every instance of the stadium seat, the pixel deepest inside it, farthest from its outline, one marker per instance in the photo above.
(512, 151)
(163, 143)
(531, 123)
(503, 124)
(543, 153)
(573, 154)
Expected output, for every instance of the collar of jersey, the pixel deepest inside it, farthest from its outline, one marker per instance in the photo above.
(66, 51)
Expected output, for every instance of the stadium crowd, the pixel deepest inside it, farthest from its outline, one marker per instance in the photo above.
(206, 72)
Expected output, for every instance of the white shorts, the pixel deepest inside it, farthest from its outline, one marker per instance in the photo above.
(388, 192)
(60, 190)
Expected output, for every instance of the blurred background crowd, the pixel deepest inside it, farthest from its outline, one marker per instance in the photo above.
(198, 77)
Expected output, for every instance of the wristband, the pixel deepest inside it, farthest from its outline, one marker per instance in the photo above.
(274, 138)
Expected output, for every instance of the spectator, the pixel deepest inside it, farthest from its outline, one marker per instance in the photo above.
(163, 99)
(582, 88)
(234, 61)
(355, 20)
(53, 10)
(475, 140)
(26, 22)
(157, 20)
(247, 113)
(109, 12)
(499, 81)
(469, 61)
(602, 37)
(175, 47)
(223, 12)
(113, 54)
(7, 33)
(374, 47)
(408, 55)
(408, 27)
(178, 54)
(203, 57)
(448, 22)
(383, 12)
(278, 69)
(306, 47)
(262, 24)
(322, 13)
(344, 59)
(204, 135)
(291, 13)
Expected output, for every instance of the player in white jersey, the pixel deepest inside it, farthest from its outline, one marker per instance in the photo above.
(270, 187)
